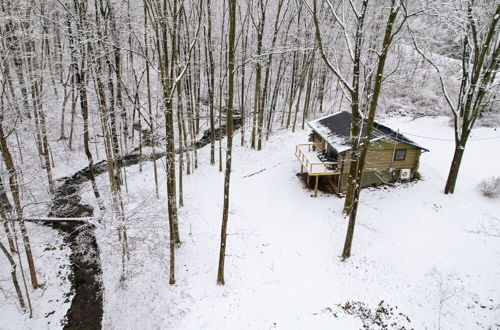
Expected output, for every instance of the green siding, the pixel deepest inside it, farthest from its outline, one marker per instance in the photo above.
(380, 168)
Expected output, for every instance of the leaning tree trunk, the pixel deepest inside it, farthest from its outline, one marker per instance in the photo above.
(14, 189)
(357, 120)
(14, 276)
(365, 143)
(5, 209)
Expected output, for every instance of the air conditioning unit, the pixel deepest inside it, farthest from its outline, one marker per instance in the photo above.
(405, 174)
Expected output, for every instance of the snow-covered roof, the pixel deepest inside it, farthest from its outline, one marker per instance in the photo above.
(335, 129)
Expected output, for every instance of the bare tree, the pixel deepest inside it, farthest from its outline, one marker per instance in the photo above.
(227, 175)
(480, 44)
(13, 274)
(15, 192)
(80, 72)
(364, 91)
(210, 74)
(167, 19)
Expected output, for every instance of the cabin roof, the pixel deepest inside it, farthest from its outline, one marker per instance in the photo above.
(335, 129)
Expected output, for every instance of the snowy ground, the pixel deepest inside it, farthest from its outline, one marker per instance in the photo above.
(413, 245)
(51, 301)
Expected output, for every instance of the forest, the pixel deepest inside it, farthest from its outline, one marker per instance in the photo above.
(148, 177)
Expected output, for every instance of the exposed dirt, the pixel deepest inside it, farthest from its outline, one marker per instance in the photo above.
(383, 316)
(323, 186)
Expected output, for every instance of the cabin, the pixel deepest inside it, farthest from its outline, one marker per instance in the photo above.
(391, 156)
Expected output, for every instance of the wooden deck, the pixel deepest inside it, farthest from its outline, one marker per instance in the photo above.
(310, 162)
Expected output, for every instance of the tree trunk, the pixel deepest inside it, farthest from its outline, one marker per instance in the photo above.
(242, 84)
(5, 209)
(292, 91)
(227, 176)
(274, 99)
(357, 119)
(258, 112)
(365, 140)
(80, 81)
(14, 276)
(182, 143)
(14, 189)
(150, 107)
(210, 80)
(454, 168)
(307, 101)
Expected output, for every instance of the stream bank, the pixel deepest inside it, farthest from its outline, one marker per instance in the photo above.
(86, 309)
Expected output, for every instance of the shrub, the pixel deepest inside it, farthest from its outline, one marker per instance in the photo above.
(490, 187)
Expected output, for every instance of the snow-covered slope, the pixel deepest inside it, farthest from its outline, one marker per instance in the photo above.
(414, 247)
(51, 301)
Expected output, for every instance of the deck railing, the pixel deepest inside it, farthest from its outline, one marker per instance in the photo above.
(316, 167)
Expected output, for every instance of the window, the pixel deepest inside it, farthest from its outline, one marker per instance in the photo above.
(400, 154)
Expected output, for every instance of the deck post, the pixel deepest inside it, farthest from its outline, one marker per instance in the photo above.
(316, 186)
(301, 168)
(308, 180)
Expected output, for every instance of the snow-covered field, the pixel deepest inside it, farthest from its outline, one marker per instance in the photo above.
(416, 249)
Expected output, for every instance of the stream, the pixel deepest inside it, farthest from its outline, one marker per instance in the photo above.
(86, 308)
